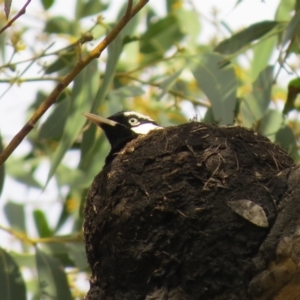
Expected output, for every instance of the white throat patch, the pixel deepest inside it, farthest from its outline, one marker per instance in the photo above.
(145, 128)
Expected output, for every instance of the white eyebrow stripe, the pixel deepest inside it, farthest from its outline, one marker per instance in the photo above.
(145, 128)
(135, 114)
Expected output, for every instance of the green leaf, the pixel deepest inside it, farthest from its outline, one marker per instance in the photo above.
(7, 5)
(21, 170)
(209, 116)
(293, 91)
(262, 53)
(12, 284)
(59, 25)
(53, 127)
(88, 8)
(284, 10)
(15, 215)
(47, 3)
(256, 104)
(41, 223)
(126, 91)
(2, 168)
(83, 95)
(292, 30)
(270, 124)
(77, 254)
(286, 139)
(167, 84)
(52, 278)
(60, 251)
(189, 23)
(66, 59)
(243, 38)
(87, 148)
(218, 83)
(160, 36)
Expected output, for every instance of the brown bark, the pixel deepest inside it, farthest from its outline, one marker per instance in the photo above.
(194, 212)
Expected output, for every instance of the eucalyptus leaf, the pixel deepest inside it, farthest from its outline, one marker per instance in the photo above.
(218, 83)
(47, 3)
(160, 36)
(7, 6)
(12, 284)
(59, 25)
(2, 168)
(293, 92)
(167, 83)
(41, 223)
(270, 124)
(52, 278)
(15, 214)
(114, 52)
(245, 37)
(83, 95)
(53, 127)
(256, 104)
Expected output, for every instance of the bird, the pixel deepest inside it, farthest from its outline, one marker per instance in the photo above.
(122, 127)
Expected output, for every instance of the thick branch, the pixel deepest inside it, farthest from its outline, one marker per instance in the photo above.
(81, 64)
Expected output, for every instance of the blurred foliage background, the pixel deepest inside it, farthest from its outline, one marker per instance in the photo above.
(156, 66)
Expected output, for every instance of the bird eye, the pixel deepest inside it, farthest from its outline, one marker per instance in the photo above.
(133, 121)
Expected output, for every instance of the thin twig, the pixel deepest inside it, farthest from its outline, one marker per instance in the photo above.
(55, 239)
(18, 15)
(80, 65)
(19, 80)
(172, 92)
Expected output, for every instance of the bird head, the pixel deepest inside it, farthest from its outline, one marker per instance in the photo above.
(123, 127)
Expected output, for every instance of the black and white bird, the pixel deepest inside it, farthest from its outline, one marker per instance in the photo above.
(123, 127)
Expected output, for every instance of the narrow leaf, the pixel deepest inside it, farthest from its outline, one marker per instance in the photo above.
(41, 223)
(270, 124)
(286, 139)
(114, 52)
(166, 84)
(245, 37)
(160, 36)
(218, 83)
(262, 53)
(2, 168)
(12, 284)
(59, 25)
(293, 91)
(47, 3)
(292, 29)
(53, 127)
(52, 278)
(256, 104)
(15, 215)
(83, 95)
(7, 5)
(88, 8)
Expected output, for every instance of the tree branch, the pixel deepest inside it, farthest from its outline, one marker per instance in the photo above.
(19, 14)
(81, 64)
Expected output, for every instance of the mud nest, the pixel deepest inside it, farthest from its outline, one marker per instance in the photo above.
(166, 218)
